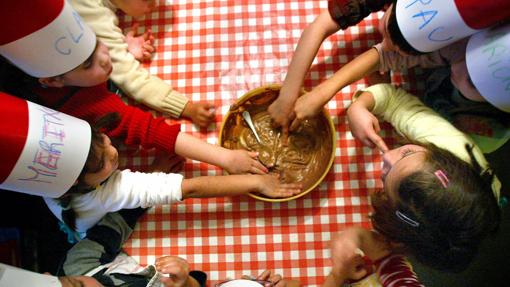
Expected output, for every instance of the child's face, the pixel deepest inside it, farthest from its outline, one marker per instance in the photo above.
(135, 8)
(387, 44)
(461, 80)
(107, 163)
(94, 71)
(401, 162)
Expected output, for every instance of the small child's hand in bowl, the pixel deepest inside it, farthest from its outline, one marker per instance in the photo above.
(271, 186)
(141, 47)
(243, 161)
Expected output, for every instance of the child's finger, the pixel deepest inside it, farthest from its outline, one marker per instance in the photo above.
(285, 135)
(146, 55)
(208, 105)
(295, 124)
(258, 165)
(146, 36)
(253, 154)
(257, 170)
(148, 47)
(264, 275)
(376, 125)
(275, 278)
(378, 141)
(368, 142)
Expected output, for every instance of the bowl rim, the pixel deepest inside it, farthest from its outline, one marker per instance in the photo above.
(277, 87)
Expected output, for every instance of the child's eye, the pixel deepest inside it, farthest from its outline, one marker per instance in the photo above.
(406, 152)
(87, 64)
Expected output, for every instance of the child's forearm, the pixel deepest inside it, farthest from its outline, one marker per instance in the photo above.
(306, 50)
(360, 67)
(366, 99)
(194, 148)
(218, 186)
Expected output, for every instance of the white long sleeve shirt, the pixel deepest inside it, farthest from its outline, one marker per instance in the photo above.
(123, 190)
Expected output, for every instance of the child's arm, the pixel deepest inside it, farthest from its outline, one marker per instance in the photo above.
(135, 127)
(233, 161)
(363, 124)
(282, 109)
(310, 104)
(232, 185)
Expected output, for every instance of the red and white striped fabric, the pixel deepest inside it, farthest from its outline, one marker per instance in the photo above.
(217, 51)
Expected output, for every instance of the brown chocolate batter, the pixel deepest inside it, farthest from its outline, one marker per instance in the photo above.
(306, 155)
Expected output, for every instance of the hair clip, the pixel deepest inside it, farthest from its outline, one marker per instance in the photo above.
(442, 177)
(406, 219)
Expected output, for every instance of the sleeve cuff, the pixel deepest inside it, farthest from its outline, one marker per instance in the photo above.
(165, 136)
(174, 104)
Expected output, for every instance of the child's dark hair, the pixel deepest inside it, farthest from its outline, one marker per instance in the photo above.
(92, 164)
(396, 35)
(441, 219)
(16, 82)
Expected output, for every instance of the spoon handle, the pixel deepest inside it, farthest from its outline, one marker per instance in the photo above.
(247, 118)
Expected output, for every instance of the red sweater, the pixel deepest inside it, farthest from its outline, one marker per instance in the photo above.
(136, 127)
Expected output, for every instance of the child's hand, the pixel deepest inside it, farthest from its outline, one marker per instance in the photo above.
(271, 186)
(365, 126)
(282, 113)
(141, 47)
(347, 257)
(276, 279)
(307, 106)
(164, 162)
(243, 161)
(176, 268)
(202, 114)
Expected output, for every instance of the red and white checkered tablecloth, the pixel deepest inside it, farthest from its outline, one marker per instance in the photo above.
(216, 51)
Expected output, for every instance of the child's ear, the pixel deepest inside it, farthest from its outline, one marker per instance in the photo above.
(55, 82)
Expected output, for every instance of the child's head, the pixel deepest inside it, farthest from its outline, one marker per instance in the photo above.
(435, 204)
(103, 158)
(93, 71)
(134, 8)
(102, 161)
(52, 43)
(393, 40)
(417, 27)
